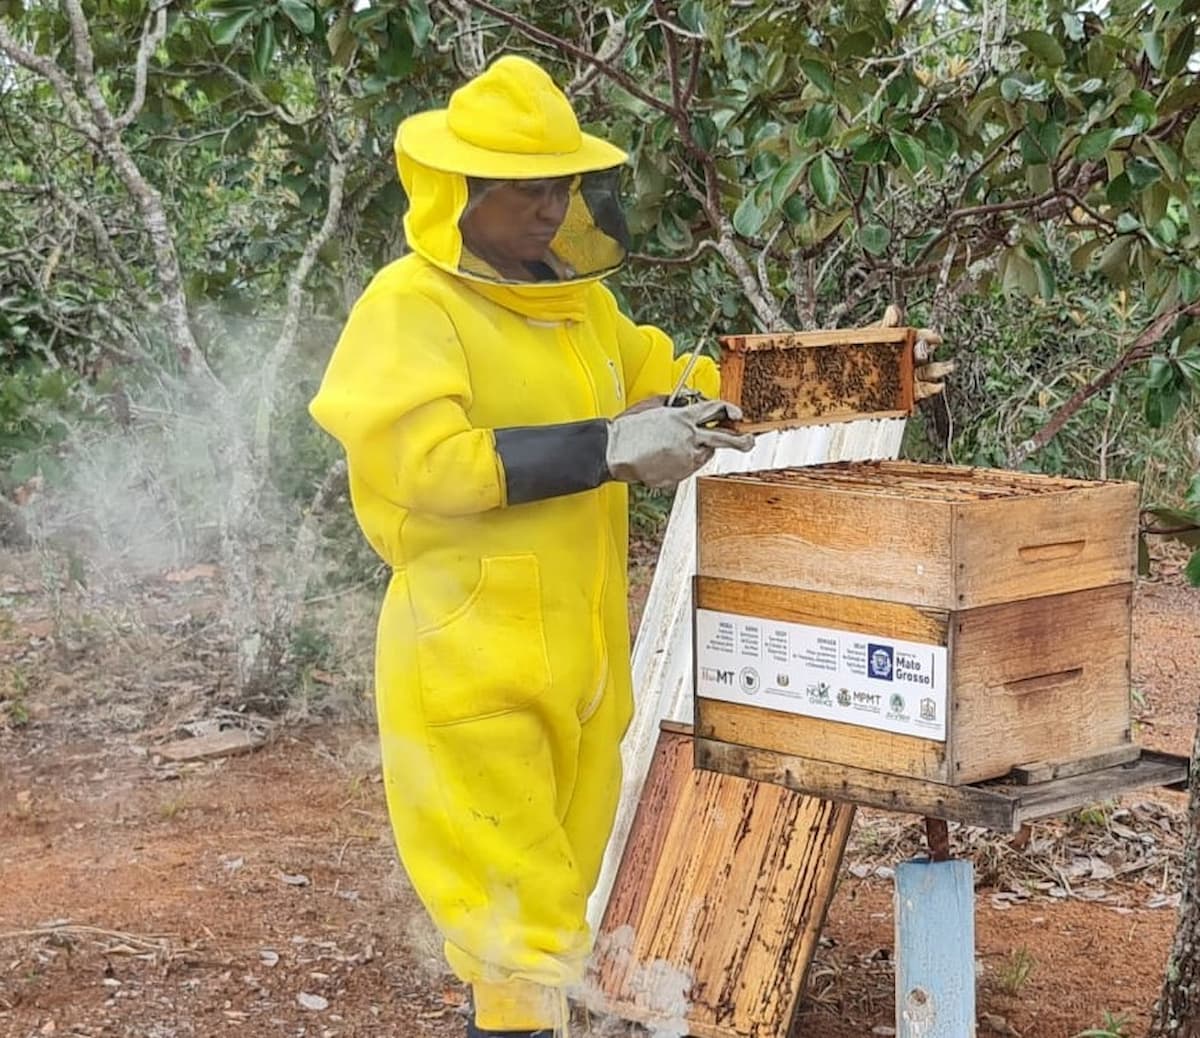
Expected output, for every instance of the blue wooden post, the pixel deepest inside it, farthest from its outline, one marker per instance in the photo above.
(935, 949)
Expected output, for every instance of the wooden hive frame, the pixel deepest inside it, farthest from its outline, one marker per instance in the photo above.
(793, 379)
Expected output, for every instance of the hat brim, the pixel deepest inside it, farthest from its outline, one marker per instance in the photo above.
(428, 139)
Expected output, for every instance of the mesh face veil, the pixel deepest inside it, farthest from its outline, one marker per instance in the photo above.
(549, 229)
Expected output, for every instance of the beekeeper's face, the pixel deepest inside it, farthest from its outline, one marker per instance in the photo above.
(509, 221)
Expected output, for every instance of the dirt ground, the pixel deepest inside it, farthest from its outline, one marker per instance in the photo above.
(259, 895)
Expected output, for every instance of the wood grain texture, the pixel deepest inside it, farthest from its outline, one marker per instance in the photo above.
(1041, 679)
(1043, 771)
(971, 805)
(908, 389)
(853, 543)
(1073, 539)
(847, 414)
(719, 901)
(833, 741)
(1000, 805)
(929, 535)
(1063, 795)
(808, 340)
(862, 615)
(733, 368)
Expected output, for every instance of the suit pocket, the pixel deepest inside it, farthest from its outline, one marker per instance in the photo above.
(489, 655)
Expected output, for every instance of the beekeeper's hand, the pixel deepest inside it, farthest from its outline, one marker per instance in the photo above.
(662, 446)
(929, 379)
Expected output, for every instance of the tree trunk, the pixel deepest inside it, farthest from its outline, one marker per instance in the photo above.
(1177, 1014)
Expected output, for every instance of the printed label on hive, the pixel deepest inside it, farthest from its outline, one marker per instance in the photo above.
(863, 679)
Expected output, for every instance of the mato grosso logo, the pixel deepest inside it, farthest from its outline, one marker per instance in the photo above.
(880, 661)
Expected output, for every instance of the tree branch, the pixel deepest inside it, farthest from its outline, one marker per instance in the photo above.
(870, 280)
(675, 261)
(623, 80)
(1139, 351)
(471, 57)
(689, 91)
(803, 297)
(270, 108)
(615, 40)
(295, 297)
(53, 75)
(151, 38)
(671, 46)
(145, 195)
(765, 308)
(104, 243)
(1043, 206)
(85, 60)
(764, 254)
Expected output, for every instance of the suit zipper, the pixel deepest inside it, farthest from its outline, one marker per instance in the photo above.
(593, 703)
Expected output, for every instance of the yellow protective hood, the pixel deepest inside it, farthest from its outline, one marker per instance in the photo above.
(509, 123)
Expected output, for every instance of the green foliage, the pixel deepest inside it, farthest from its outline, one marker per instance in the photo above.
(1181, 524)
(855, 151)
(36, 404)
(1112, 1025)
(1016, 971)
(1021, 360)
(648, 510)
(1034, 192)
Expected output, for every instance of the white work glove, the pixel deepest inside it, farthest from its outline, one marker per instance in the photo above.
(928, 379)
(662, 446)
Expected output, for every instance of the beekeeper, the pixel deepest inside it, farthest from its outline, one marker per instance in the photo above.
(481, 390)
(484, 391)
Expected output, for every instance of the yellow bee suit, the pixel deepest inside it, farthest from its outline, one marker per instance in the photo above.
(502, 662)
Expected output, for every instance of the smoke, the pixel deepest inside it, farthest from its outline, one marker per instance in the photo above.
(144, 483)
(141, 498)
(160, 477)
(658, 989)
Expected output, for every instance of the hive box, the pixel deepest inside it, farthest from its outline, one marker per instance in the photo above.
(937, 622)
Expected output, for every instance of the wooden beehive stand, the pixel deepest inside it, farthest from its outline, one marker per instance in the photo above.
(729, 870)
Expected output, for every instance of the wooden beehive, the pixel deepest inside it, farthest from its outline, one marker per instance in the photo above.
(792, 379)
(942, 623)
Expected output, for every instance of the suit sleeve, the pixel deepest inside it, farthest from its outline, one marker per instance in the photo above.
(396, 395)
